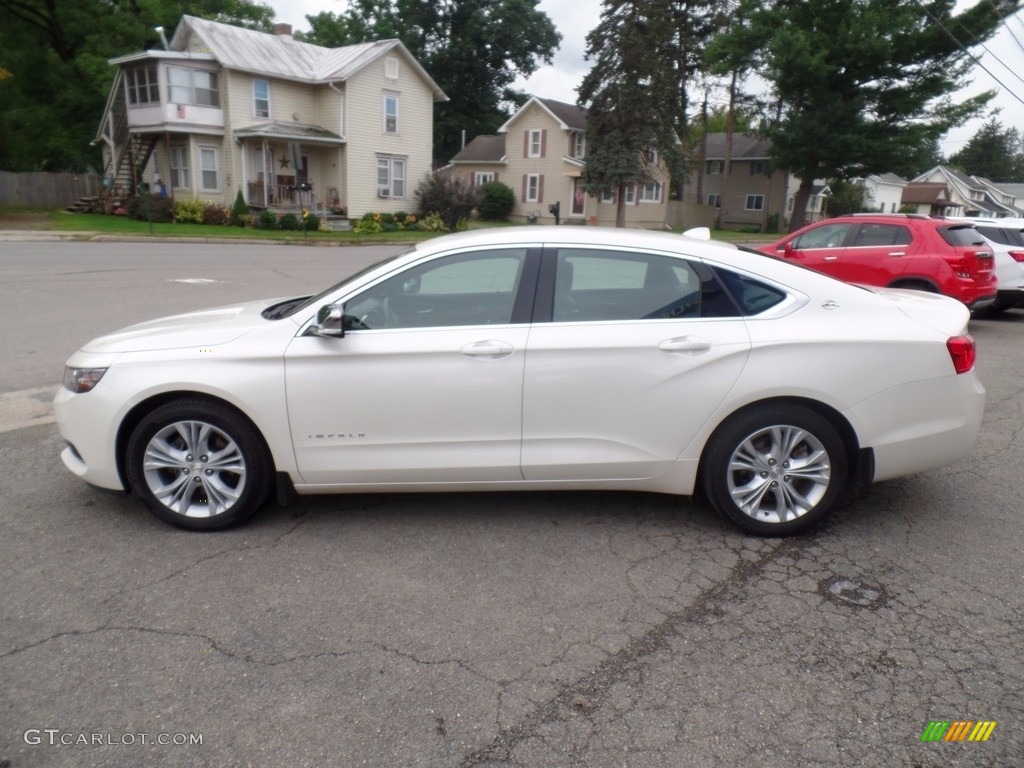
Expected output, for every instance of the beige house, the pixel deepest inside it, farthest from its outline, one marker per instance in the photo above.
(290, 124)
(540, 153)
(749, 196)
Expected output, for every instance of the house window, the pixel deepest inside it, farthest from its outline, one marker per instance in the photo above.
(533, 188)
(652, 156)
(579, 145)
(715, 201)
(536, 144)
(713, 167)
(179, 167)
(260, 98)
(608, 197)
(391, 114)
(651, 192)
(259, 163)
(755, 203)
(193, 86)
(143, 86)
(390, 176)
(391, 68)
(630, 194)
(480, 178)
(209, 164)
(758, 167)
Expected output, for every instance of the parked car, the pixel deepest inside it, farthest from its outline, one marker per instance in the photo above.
(1006, 236)
(898, 251)
(534, 358)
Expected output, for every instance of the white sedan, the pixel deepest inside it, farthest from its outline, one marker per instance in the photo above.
(533, 358)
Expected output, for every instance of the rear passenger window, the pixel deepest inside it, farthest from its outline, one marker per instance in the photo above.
(959, 236)
(881, 235)
(613, 285)
(752, 296)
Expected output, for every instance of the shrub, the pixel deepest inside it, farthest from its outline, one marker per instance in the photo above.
(216, 214)
(267, 220)
(433, 222)
(368, 225)
(289, 221)
(189, 211)
(448, 196)
(239, 211)
(145, 207)
(496, 201)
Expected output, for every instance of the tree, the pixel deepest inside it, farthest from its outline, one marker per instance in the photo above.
(994, 152)
(864, 83)
(56, 56)
(473, 49)
(629, 98)
(848, 197)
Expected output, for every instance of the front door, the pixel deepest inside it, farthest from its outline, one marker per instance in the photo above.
(426, 385)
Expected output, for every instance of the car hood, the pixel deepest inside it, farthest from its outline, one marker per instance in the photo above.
(936, 311)
(205, 328)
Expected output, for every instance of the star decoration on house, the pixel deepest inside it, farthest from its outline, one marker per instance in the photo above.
(284, 162)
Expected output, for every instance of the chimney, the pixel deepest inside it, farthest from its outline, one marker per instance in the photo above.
(283, 30)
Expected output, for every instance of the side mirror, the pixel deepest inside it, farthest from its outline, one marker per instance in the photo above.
(788, 250)
(329, 322)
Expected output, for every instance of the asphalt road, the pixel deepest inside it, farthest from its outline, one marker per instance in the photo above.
(533, 630)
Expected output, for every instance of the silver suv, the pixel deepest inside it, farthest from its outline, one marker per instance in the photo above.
(1006, 236)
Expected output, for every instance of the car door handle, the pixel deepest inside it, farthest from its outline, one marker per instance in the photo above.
(897, 253)
(490, 349)
(831, 258)
(692, 344)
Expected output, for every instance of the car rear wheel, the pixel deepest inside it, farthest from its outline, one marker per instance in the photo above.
(775, 470)
(198, 465)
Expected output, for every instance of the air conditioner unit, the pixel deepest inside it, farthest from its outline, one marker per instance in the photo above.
(383, 192)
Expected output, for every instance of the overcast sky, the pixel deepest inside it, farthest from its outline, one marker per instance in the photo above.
(575, 18)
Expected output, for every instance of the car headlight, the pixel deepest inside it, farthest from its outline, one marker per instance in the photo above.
(81, 380)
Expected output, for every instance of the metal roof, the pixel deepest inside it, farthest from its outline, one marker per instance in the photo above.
(307, 134)
(284, 57)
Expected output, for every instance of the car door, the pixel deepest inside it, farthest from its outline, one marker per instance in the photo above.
(878, 253)
(426, 384)
(629, 355)
(820, 247)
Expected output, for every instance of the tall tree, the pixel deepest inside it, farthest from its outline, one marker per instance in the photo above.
(995, 152)
(56, 56)
(473, 49)
(630, 99)
(865, 83)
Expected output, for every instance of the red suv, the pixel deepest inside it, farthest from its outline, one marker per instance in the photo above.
(898, 251)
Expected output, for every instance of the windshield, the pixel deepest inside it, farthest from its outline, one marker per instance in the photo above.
(314, 300)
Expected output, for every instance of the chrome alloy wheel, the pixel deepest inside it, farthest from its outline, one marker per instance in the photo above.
(194, 469)
(778, 474)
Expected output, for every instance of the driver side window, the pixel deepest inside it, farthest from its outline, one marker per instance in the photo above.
(465, 289)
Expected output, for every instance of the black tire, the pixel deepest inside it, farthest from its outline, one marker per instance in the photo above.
(220, 483)
(774, 470)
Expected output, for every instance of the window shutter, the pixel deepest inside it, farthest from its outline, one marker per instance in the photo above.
(526, 143)
(572, 145)
(523, 198)
(495, 175)
(543, 142)
(540, 184)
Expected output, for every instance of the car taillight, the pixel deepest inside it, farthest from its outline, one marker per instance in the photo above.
(961, 350)
(1017, 255)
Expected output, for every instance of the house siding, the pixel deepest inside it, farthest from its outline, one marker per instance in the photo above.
(367, 139)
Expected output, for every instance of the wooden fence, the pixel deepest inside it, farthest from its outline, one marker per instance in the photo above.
(46, 190)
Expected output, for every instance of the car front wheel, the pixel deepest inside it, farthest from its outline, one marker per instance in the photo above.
(198, 465)
(775, 470)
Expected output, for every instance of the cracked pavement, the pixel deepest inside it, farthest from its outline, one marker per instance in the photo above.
(529, 630)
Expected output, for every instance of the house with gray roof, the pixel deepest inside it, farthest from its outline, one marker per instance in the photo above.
(540, 152)
(290, 124)
(974, 195)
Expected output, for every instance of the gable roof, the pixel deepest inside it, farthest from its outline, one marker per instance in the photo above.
(745, 146)
(926, 193)
(482, 149)
(568, 116)
(283, 57)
